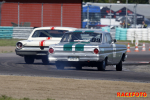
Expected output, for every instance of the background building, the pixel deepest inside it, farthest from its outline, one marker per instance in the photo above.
(35, 13)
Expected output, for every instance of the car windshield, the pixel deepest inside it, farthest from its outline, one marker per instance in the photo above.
(80, 37)
(49, 33)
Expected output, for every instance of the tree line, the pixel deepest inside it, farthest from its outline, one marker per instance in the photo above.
(121, 1)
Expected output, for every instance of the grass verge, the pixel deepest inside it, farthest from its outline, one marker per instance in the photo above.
(126, 43)
(69, 89)
(8, 42)
(12, 42)
(4, 97)
(129, 41)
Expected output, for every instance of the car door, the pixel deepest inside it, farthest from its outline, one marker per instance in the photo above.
(109, 48)
(115, 52)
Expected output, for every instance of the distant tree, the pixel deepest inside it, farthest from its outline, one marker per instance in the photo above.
(122, 1)
(136, 1)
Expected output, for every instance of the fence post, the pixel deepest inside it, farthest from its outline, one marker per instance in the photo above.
(18, 14)
(88, 16)
(126, 12)
(135, 15)
(61, 15)
(42, 16)
(110, 15)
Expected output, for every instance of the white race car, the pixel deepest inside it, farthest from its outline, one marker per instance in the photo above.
(37, 45)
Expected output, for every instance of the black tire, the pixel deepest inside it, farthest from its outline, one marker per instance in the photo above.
(59, 65)
(45, 60)
(101, 66)
(78, 67)
(119, 66)
(29, 59)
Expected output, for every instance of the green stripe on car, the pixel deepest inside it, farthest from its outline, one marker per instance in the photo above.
(77, 31)
(80, 47)
(68, 46)
(89, 31)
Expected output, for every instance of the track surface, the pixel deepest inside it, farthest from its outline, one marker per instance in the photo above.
(11, 64)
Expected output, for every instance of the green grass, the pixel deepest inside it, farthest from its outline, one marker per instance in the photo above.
(12, 42)
(125, 42)
(8, 42)
(4, 97)
(6, 51)
(129, 41)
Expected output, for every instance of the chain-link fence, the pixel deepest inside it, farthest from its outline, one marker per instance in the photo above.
(98, 15)
(40, 14)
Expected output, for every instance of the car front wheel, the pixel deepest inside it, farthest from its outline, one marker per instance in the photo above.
(29, 59)
(119, 66)
(101, 66)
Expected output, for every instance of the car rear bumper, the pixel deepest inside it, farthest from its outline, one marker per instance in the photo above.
(24, 52)
(77, 58)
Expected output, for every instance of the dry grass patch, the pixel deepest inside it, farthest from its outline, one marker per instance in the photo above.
(68, 89)
(7, 49)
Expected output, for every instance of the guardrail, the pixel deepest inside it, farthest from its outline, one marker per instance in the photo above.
(118, 33)
(22, 32)
(6, 32)
(133, 34)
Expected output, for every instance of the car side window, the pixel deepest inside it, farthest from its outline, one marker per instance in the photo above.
(105, 40)
(108, 38)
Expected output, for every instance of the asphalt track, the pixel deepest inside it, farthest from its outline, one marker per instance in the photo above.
(11, 64)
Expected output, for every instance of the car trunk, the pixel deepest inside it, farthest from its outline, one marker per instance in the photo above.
(73, 49)
(40, 42)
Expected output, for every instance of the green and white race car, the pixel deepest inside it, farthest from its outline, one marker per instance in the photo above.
(87, 48)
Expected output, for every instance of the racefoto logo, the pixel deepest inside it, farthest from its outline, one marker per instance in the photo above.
(131, 94)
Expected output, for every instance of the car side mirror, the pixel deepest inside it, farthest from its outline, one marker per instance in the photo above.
(114, 40)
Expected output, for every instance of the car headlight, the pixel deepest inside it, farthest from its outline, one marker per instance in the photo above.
(19, 45)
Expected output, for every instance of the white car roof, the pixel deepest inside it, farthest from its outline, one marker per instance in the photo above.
(56, 28)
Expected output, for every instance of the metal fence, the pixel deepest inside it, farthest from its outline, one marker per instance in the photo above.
(97, 15)
(40, 14)
(90, 15)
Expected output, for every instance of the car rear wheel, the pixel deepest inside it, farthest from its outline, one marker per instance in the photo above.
(45, 60)
(29, 59)
(102, 65)
(119, 66)
(59, 65)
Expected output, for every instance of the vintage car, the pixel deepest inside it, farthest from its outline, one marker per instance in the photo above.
(37, 45)
(81, 48)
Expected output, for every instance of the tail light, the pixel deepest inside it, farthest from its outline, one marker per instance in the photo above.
(51, 50)
(96, 51)
(19, 45)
